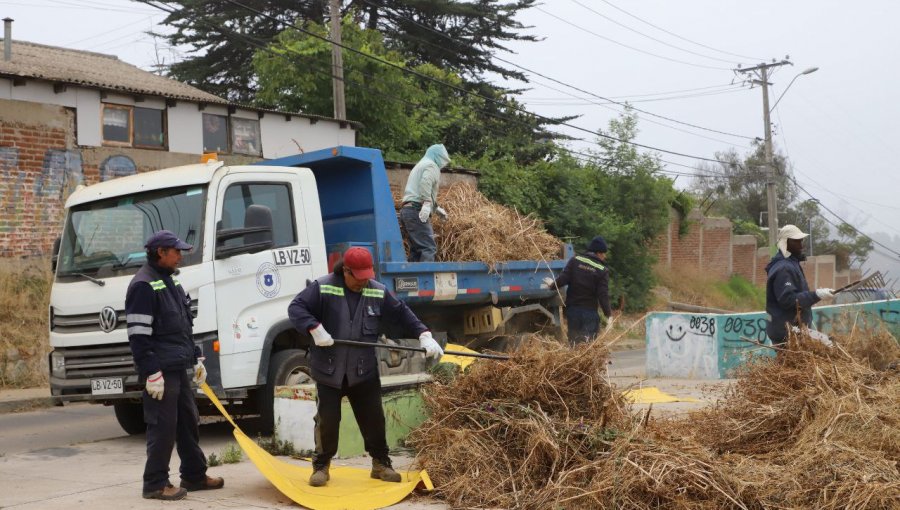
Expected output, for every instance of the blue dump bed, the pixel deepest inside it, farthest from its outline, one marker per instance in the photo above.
(358, 210)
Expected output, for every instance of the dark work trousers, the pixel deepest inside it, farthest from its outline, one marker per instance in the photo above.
(584, 324)
(365, 400)
(173, 421)
(422, 247)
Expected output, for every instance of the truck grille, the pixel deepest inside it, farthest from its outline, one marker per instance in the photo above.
(89, 322)
(98, 361)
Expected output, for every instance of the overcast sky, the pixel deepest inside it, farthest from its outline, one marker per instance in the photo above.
(836, 125)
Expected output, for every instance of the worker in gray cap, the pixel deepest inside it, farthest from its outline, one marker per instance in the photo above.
(160, 333)
(787, 294)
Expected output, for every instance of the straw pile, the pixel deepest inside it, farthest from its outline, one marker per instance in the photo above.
(814, 428)
(480, 230)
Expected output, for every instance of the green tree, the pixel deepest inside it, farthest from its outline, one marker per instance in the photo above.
(221, 62)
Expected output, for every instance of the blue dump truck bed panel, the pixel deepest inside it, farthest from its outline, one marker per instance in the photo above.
(358, 210)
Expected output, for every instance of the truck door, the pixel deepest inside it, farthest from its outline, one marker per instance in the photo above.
(253, 290)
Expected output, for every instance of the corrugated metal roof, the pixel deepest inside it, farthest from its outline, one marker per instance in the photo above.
(107, 72)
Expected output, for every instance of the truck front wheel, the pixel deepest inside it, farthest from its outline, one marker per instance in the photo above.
(286, 368)
(130, 416)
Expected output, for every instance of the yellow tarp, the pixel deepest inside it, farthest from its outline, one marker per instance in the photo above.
(652, 395)
(348, 488)
(462, 361)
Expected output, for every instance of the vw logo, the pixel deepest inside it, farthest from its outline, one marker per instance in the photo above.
(109, 319)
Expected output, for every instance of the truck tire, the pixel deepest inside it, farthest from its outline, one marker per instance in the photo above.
(286, 368)
(130, 416)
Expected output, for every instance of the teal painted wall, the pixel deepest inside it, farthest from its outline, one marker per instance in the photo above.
(712, 346)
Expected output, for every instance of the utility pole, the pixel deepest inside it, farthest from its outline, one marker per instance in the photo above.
(337, 62)
(761, 72)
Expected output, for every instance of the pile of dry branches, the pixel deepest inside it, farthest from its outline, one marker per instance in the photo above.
(480, 230)
(816, 427)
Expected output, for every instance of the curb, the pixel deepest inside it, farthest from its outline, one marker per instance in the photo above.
(28, 404)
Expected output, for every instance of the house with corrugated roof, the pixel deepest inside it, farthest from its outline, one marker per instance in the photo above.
(70, 117)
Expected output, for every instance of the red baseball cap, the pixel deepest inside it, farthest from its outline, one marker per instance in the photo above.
(359, 261)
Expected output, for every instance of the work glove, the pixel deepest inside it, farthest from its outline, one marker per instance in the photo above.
(440, 211)
(425, 212)
(321, 337)
(825, 293)
(432, 348)
(548, 283)
(156, 385)
(199, 372)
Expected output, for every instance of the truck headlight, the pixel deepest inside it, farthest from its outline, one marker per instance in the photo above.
(57, 364)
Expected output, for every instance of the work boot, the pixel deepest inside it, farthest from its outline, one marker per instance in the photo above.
(319, 477)
(209, 483)
(167, 493)
(382, 470)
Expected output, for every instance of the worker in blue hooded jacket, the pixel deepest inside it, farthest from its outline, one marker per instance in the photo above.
(420, 200)
(788, 298)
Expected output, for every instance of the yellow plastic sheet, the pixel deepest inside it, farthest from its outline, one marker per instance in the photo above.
(652, 395)
(462, 361)
(348, 488)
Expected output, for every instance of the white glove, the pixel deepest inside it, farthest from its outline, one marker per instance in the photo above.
(609, 326)
(156, 385)
(442, 213)
(199, 372)
(425, 212)
(321, 337)
(825, 293)
(548, 283)
(432, 348)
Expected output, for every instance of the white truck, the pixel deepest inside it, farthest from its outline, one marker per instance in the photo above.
(260, 233)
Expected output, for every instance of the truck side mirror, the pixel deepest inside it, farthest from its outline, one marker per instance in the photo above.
(54, 256)
(256, 233)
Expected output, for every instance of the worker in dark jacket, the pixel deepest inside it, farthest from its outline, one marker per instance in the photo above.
(160, 333)
(787, 293)
(587, 277)
(350, 304)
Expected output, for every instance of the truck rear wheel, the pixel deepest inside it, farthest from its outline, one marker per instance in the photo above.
(130, 416)
(286, 368)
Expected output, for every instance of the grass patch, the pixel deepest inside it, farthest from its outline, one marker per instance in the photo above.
(695, 287)
(232, 454)
(24, 305)
(739, 291)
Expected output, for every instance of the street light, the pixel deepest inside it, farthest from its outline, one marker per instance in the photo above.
(807, 71)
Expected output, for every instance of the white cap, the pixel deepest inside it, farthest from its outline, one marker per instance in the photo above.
(789, 232)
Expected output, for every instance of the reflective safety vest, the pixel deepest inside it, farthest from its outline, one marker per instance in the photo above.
(329, 365)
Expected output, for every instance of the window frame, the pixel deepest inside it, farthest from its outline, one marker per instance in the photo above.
(290, 195)
(231, 133)
(228, 134)
(165, 130)
(115, 143)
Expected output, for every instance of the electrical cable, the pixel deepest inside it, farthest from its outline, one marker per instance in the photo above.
(626, 27)
(608, 39)
(678, 36)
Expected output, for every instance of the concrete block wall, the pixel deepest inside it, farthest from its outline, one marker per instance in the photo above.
(743, 253)
(716, 247)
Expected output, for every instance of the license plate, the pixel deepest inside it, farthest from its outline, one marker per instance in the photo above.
(107, 386)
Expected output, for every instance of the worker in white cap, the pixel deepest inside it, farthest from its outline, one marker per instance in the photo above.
(788, 298)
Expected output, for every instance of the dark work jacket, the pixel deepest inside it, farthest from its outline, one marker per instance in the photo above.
(588, 281)
(786, 293)
(160, 326)
(325, 302)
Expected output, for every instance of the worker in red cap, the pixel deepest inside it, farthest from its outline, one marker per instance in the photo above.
(351, 304)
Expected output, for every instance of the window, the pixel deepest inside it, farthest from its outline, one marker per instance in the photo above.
(134, 127)
(149, 128)
(215, 133)
(245, 136)
(276, 197)
(116, 124)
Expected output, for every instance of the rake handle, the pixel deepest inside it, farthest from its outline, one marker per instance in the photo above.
(355, 343)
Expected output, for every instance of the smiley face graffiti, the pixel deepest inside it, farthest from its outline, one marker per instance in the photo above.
(675, 331)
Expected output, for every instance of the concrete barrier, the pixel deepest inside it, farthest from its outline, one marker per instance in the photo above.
(712, 346)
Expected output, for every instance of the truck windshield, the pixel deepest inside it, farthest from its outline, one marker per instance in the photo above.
(106, 238)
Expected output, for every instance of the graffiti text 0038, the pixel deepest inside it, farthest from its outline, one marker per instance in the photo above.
(751, 328)
(703, 325)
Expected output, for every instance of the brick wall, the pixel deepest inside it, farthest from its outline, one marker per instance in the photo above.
(762, 260)
(716, 251)
(743, 261)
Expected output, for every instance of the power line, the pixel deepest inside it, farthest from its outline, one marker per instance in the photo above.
(682, 91)
(626, 27)
(676, 35)
(464, 91)
(562, 101)
(432, 30)
(595, 34)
